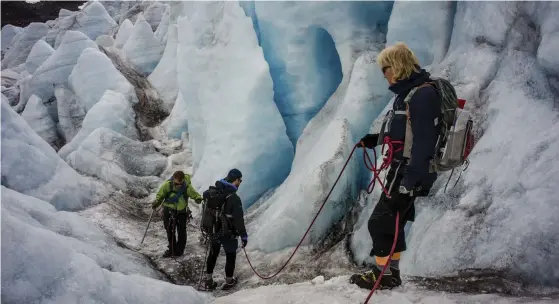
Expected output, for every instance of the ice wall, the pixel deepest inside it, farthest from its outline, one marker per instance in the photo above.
(232, 119)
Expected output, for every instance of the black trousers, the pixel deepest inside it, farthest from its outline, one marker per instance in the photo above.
(229, 246)
(382, 223)
(175, 224)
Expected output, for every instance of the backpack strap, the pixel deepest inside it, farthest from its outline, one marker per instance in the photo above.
(408, 139)
(181, 192)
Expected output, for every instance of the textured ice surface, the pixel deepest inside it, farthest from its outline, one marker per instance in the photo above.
(70, 113)
(178, 122)
(124, 32)
(8, 33)
(94, 74)
(57, 257)
(39, 53)
(22, 43)
(231, 115)
(32, 167)
(113, 111)
(164, 77)
(430, 37)
(310, 57)
(126, 164)
(142, 48)
(37, 117)
(57, 68)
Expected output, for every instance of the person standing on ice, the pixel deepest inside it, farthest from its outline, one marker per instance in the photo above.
(407, 178)
(230, 226)
(174, 194)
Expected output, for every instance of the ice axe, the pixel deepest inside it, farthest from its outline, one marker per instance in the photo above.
(149, 221)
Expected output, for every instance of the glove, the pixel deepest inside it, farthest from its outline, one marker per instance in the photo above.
(404, 190)
(155, 204)
(198, 200)
(244, 240)
(369, 141)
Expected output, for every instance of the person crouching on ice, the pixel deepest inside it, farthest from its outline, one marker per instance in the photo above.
(174, 194)
(401, 69)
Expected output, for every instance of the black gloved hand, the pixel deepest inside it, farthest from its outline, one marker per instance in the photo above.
(369, 141)
(244, 240)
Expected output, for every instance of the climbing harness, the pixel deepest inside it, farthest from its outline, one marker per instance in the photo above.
(376, 172)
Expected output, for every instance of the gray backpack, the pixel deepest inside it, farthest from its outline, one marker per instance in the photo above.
(454, 125)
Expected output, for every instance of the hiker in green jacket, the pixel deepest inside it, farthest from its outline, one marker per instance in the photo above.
(174, 194)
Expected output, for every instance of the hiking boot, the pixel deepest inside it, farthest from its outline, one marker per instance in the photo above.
(229, 283)
(167, 254)
(396, 280)
(210, 284)
(368, 279)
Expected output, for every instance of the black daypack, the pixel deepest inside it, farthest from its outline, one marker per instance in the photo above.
(214, 222)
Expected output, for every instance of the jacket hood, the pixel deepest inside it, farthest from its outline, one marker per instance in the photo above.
(415, 79)
(223, 184)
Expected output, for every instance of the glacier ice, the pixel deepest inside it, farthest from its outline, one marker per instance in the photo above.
(105, 41)
(20, 90)
(32, 167)
(430, 36)
(70, 113)
(94, 74)
(318, 161)
(22, 43)
(8, 33)
(9, 78)
(177, 122)
(142, 48)
(124, 32)
(56, 257)
(164, 76)
(57, 68)
(37, 117)
(154, 14)
(128, 165)
(113, 111)
(163, 27)
(309, 56)
(94, 20)
(39, 54)
(232, 91)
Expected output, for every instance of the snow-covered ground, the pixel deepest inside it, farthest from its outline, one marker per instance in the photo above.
(102, 105)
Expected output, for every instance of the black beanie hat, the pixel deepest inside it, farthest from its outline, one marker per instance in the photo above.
(234, 174)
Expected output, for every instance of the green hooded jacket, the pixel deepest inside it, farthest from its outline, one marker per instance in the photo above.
(168, 190)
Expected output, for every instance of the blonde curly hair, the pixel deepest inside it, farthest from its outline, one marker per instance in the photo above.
(400, 58)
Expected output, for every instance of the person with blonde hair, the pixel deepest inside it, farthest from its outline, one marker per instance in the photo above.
(406, 178)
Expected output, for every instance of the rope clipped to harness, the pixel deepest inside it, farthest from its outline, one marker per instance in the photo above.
(387, 160)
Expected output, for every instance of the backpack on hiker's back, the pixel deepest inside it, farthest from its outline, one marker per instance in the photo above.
(454, 127)
(214, 222)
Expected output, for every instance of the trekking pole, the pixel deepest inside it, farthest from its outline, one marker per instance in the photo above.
(149, 221)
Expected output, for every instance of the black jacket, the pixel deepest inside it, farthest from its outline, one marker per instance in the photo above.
(233, 208)
(424, 107)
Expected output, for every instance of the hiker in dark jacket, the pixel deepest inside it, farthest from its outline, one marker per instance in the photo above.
(233, 210)
(174, 194)
(409, 177)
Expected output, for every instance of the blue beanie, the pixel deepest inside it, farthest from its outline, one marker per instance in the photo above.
(234, 174)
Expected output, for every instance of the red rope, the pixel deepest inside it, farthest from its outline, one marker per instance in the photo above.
(377, 282)
(376, 172)
(308, 229)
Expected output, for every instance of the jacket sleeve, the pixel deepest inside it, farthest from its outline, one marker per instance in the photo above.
(238, 216)
(421, 111)
(190, 191)
(163, 192)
